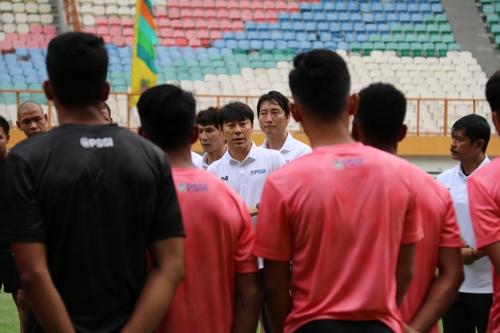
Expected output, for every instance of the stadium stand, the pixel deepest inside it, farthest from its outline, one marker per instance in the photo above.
(246, 48)
(490, 10)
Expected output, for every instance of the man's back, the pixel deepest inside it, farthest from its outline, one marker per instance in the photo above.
(440, 228)
(345, 202)
(97, 196)
(219, 245)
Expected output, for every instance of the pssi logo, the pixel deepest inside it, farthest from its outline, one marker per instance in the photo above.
(96, 142)
(193, 187)
(257, 172)
(353, 162)
(225, 178)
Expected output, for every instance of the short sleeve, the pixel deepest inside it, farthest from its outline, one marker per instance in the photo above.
(167, 222)
(412, 228)
(20, 217)
(245, 261)
(450, 233)
(273, 239)
(485, 213)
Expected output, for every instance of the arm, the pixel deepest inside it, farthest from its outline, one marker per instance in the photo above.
(159, 289)
(45, 301)
(493, 252)
(442, 291)
(404, 271)
(276, 292)
(470, 256)
(253, 211)
(249, 303)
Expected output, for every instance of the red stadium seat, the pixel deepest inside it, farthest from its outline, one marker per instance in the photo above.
(233, 5)
(194, 43)
(41, 38)
(102, 31)
(6, 46)
(168, 42)
(176, 24)
(18, 43)
(178, 33)
(199, 14)
(185, 4)
(119, 41)
(164, 23)
(209, 4)
(269, 5)
(128, 32)
(89, 30)
(166, 33)
(48, 38)
(197, 4)
(238, 26)
(257, 5)
(201, 24)
(272, 16)
(114, 22)
(259, 16)
(202, 34)
(226, 26)
(191, 34)
(245, 5)
(223, 14)
(49, 29)
(247, 15)
(220, 4)
(210, 14)
(293, 7)
(128, 21)
(215, 34)
(115, 31)
(181, 41)
(161, 13)
(281, 6)
(213, 25)
(129, 41)
(11, 37)
(25, 37)
(235, 15)
(36, 29)
(186, 13)
(188, 24)
(101, 21)
(32, 44)
(174, 13)
(44, 44)
(172, 4)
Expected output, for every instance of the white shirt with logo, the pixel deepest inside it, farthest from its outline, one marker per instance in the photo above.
(292, 148)
(195, 158)
(477, 275)
(203, 163)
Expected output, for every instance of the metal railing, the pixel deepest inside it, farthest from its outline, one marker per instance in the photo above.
(71, 14)
(424, 117)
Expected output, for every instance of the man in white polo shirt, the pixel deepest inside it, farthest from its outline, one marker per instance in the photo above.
(274, 116)
(244, 166)
(470, 310)
(211, 139)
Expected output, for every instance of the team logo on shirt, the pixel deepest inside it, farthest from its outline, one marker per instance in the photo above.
(96, 142)
(225, 178)
(349, 163)
(191, 187)
(257, 172)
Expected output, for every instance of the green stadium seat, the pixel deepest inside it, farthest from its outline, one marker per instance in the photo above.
(404, 49)
(416, 49)
(492, 19)
(253, 57)
(115, 75)
(387, 38)
(241, 57)
(182, 69)
(420, 29)
(205, 63)
(184, 76)
(367, 48)
(169, 70)
(411, 38)
(488, 9)
(208, 70)
(265, 51)
(445, 29)
(495, 30)
(239, 51)
(279, 52)
(379, 46)
(195, 70)
(497, 41)
(392, 47)
(257, 64)
(429, 49)
(423, 39)
(374, 38)
(497, 7)
(267, 57)
(234, 71)
(218, 63)
(179, 63)
(290, 57)
(215, 57)
(279, 57)
(170, 76)
(484, 2)
(448, 39)
(432, 29)
(197, 77)
(245, 64)
(193, 63)
(290, 52)
(270, 64)
(229, 56)
(231, 64)
(441, 18)
(453, 47)
(355, 47)
(436, 39)
(396, 28)
(221, 70)
(428, 19)
(120, 89)
(34, 86)
(399, 38)
(442, 49)
(408, 28)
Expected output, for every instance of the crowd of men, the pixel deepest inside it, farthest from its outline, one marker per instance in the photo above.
(112, 231)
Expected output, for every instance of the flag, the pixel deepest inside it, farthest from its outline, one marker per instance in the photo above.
(144, 72)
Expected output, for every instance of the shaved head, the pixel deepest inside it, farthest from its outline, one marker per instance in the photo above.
(30, 119)
(28, 105)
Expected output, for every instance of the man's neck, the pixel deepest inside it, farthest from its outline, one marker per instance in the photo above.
(276, 140)
(4, 155)
(86, 115)
(469, 166)
(391, 148)
(216, 155)
(240, 155)
(180, 158)
(327, 133)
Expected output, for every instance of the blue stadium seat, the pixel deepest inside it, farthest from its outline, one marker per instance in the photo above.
(404, 18)
(368, 18)
(329, 7)
(424, 8)
(331, 46)
(347, 27)
(371, 28)
(25, 65)
(292, 44)
(305, 6)
(389, 8)
(228, 35)
(344, 17)
(335, 28)
(10, 58)
(166, 62)
(37, 51)
(350, 37)
(283, 16)
(323, 26)
(301, 36)
(220, 43)
(264, 35)
(325, 37)
(298, 26)
(281, 45)
(392, 18)
(286, 26)
(253, 35)
(318, 45)
(225, 51)
(4, 78)
(33, 79)
(244, 44)
(380, 18)
(18, 79)
(317, 7)
(343, 46)
(319, 17)
(240, 36)
(202, 56)
(200, 50)
(437, 8)
(356, 18)
(311, 26)
(269, 45)
(332, 17)
(352, 6)
(361, 38)
(416, 18)
(307, 16)
(289, 36)
(250, 26)
(277, 35)
(255, 44)
(365, 8)
(213, 50)
(401, 7)
(296, 17)
(126, 61)
(413, 8)
(305, 46)
(262, 26)
(377, 8)
(4, 71)
(274, 26)
(311, 36)
(341, 7)
(111, 47)
(383, 29)
(360, 27)
(15, 71)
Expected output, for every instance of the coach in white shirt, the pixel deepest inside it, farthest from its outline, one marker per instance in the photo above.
(274, 116)
(470, 310)
(244, 166)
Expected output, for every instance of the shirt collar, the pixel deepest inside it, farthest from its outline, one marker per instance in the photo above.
(252, 155)
(287, 145)
(483, 163)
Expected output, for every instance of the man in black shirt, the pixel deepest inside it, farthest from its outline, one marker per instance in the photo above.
(94, 199)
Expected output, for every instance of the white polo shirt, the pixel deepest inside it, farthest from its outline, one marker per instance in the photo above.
(203, 163)
(478, 275)
(247, 178)
(195, 158)
(292, 148)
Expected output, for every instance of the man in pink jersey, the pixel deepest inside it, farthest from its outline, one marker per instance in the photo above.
(484, 199)
(379, 123)
(220, 233)
(346, 215)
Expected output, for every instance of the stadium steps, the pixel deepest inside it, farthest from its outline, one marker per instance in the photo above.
(469, 32)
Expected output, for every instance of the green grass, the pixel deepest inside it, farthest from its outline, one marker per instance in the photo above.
(9, 319)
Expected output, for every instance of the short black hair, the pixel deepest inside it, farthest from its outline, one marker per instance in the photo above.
(4, 124)
(475, 127)
(106, 106)
(320, 82)
(234, 111)
(381, 112)
(77, 65)
(207, 117)
(493, 91)
(274, 97)
(167, 115)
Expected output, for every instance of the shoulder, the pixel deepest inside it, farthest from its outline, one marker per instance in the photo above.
(448, 174)
(489, 172)
(216, 165)
(298, 145)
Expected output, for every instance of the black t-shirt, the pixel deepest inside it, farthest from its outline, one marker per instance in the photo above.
(97, 196)
(4, 246)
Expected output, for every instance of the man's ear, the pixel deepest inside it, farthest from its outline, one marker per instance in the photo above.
(353, 104)
(142, 133)
(296, 111)
(194, 135)
(402, 134)
(496, 120)
(8, 138)
(105, 91)
(47, 89)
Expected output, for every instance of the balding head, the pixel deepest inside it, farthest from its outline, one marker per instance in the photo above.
(30, 119)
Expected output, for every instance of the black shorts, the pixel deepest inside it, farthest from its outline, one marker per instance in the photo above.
(344, 326)
(9, 277)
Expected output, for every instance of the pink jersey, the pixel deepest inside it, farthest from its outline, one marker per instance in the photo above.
(341, 214)
(219, 242)
(440, 226)
(484, 202)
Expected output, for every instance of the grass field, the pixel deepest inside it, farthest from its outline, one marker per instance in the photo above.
(9, 320)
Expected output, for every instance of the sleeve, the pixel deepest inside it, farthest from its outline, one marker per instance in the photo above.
(484, 212)
(450, 233)
(412, 229)
(20, 216)
(245, 261)
(273, 239)
(167, 220)
(304, 151)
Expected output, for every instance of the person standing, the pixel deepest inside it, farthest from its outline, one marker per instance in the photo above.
(470, 310)
(30, 119)
(211, 139)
